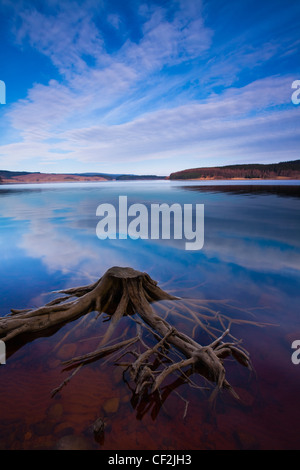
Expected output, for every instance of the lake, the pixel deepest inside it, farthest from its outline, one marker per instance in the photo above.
(248, 268)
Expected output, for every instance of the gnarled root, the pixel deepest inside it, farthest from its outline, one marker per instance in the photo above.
(108, 295)
(125, 291)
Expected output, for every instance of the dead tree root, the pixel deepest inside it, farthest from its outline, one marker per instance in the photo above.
(122, 292)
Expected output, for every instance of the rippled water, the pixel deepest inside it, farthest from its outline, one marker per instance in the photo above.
(250, 259)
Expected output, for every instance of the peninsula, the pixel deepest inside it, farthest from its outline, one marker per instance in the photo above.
(273, 171)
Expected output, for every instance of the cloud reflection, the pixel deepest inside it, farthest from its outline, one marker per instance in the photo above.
(259, 234)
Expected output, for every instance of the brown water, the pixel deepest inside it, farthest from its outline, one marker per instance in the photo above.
(266, 416)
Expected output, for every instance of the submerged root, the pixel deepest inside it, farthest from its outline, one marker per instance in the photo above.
(127, 292)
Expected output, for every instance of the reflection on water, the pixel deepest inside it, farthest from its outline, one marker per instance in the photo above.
(282, 190)
(251, 259)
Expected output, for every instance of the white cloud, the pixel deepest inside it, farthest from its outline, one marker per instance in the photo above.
(245, 120)
(116, 109)
(65, 36)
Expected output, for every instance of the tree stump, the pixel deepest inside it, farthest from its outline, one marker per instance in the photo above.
(121, 292)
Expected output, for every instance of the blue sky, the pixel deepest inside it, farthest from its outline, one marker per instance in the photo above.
(147, 86)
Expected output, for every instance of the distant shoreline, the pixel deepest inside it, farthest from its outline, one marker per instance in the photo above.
(42, 178)
(283, 171)
(278, 178)
(12, 181)
(258, 171)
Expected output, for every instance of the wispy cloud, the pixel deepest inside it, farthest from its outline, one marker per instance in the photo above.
(66, 34)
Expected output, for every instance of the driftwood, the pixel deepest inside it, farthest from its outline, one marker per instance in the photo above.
(127, 292)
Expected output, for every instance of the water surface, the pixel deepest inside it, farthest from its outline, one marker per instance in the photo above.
(250, 258)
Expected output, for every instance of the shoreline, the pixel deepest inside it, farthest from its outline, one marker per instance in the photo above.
(68, 179)
(54, 179)
(94, 179)
(278, 178)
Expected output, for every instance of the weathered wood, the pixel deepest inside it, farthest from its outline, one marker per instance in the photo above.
(120, 292)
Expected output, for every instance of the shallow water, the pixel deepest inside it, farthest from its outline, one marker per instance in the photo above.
(250, 258)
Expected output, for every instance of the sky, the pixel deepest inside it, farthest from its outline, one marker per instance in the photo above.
(147, 86)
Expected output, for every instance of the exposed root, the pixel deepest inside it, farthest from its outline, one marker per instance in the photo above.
(127, 292)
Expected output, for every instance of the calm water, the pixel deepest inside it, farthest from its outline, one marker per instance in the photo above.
(250, 258)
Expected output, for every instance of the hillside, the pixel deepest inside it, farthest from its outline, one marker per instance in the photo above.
(11, 177)
(283, 170)
(23, 177)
